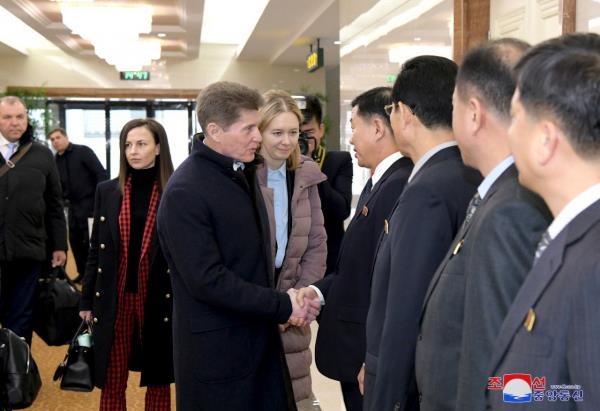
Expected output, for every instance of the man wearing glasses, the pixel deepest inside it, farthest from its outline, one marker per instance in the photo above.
(419, 231)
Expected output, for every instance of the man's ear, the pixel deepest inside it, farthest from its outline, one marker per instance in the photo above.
(477, 116)
(214, 131)
(547, 142)
(379, 127)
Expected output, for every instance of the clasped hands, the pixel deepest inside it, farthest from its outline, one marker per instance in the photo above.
(305, 307)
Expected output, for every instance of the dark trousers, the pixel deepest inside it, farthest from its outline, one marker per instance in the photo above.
(18, 281)
(353, 399)
(80, 244)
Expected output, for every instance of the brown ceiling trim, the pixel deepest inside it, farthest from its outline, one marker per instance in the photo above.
(147, 93)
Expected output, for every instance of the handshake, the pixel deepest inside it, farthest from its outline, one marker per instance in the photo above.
(306, 306)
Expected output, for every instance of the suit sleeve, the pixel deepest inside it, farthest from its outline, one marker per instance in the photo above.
(89, 279)
(94, 165)
(313, 260)
(56, 225)
(506, 243)
(420, 231)
(583, 355)
(336, 195)
(205, 276)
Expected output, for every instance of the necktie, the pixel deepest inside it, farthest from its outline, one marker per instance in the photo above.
(473, 204)
(542, 245)
(364, 195)
(10, 149)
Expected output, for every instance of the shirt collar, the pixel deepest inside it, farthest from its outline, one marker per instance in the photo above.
(491, 178)
(278, 172)
(419, 164)
(573, 208)
(4, 142)
(383, 166)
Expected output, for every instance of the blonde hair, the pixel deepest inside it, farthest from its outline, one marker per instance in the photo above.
(276, 103)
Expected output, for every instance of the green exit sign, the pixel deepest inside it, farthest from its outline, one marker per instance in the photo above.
(135, 75)
(390, 78)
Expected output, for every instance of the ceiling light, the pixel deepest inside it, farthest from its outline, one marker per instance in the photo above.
(417, 39)
(240, 24)
(337, 42)
(161, 35)
(114, 31)
(20, 36)
(379, 20)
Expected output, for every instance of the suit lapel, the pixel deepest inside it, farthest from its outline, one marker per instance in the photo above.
(540, 277)
(509, 174)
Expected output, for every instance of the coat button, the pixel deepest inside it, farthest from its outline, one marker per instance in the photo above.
(167, 295)
(166, 319)
(420, 337)
(102, 246)
(98, 294)
(168, 271)
(99, 270)
(95, 320)
(102, 218)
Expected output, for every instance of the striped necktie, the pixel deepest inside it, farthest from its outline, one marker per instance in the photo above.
(542, 245)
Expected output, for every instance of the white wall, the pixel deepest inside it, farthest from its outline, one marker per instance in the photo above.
(529, 20)
(58, 69)
(587, 10)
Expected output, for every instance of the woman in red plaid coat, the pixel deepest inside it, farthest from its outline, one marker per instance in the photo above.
(126, 288)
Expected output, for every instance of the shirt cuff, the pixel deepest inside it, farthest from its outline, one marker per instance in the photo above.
(319, 293)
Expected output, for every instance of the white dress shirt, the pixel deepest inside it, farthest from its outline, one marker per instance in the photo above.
(491, 178)
(419, 164)
(573, 209)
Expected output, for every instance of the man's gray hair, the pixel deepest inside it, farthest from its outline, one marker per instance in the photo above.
(10, 100)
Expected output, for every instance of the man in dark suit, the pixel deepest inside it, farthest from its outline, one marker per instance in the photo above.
(474, 286)
(213, 228)
(340, 346)
(32, 222)
(336, 191)
(553, 326)
(80, 172)
(419, 231)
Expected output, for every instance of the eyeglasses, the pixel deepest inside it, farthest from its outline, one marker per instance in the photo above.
(390, 107)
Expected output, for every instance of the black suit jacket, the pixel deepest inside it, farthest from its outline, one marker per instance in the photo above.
(471, 293)
(213, 227)
(340, 346)
(80, 172)
(100, 294)
(426, 218)
(562, 290)
(336, 199)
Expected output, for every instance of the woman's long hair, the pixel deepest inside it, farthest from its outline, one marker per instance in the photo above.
(276, 103)
(164, 165)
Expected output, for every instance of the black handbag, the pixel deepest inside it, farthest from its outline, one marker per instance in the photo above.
(56, 315)
(76, 372)
(20, 377)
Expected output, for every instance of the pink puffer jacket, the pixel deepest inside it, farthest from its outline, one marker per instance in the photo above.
(304, 261)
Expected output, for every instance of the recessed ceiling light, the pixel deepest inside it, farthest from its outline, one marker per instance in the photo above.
(162, 35)
(337, 42)
(417, 38)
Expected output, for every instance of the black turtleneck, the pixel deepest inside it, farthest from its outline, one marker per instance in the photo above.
(141, 190)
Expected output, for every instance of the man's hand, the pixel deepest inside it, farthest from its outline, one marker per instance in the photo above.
(308, 293)
(361, 380)
(59, 258)
(305, 314)
(86, 315)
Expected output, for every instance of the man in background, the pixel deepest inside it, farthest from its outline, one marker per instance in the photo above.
(80, 172)
(484, 268)
(336, 191)
(32, 221)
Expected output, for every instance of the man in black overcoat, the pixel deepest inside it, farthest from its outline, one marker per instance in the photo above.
(214, 231)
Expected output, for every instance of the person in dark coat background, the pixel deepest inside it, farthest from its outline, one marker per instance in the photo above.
(336, 191)
(80, 172)
(214, 229)
(126, 288)
(32, 222)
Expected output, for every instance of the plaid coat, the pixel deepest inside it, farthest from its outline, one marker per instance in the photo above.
(155, 359)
